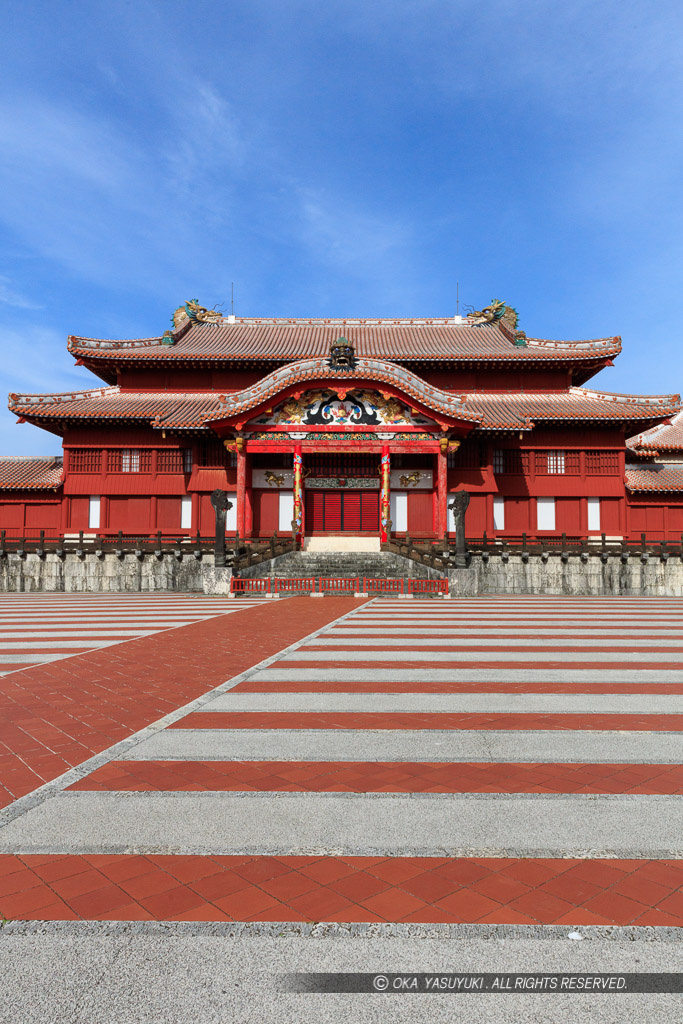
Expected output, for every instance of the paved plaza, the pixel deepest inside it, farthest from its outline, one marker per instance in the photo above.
(214, 791)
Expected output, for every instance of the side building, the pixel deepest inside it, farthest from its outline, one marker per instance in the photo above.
(343, 429)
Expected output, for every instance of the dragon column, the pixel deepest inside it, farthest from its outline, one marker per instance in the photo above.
(384, 496)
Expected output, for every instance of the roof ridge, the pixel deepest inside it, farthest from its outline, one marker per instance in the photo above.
(662, 399)
(32, 458)
(52, 397)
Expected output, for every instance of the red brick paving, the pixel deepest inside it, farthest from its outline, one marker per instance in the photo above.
(419, 889)
(57, 715)
(415, 720)
(383, 777)
(430, 686)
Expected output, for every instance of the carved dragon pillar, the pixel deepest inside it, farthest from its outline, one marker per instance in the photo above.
(385, 496)
(298, 512)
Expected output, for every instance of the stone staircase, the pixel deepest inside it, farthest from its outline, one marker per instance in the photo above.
(327, 564)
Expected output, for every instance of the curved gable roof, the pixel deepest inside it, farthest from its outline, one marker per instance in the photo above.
(377, 371)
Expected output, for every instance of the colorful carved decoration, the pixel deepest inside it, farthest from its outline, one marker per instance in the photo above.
(385, 497)
(191, 310)
(491, 314)
(298, 514)
(446, 445)
(356, 408)
(274, 479)
(235, 444)
(411, 479)
(342, 355)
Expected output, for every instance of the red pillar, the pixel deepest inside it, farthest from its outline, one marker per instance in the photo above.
(248, 504)
(298, 513)
(241, 490)
(385, 496)
(442, 495)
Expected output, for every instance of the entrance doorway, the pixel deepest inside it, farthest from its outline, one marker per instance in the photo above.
(342, 511)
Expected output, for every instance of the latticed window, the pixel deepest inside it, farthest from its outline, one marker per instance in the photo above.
(342, 464)
(557, 462)
(510, 460)
(468, 456)
(213, 454)
(129, 460)
(85, 460)
(170, 460)
(599, 463)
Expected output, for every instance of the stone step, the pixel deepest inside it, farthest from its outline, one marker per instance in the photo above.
(382, 565)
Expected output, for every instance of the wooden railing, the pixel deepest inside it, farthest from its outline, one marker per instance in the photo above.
(240, 553)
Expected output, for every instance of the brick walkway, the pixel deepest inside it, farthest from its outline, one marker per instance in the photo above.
(585, 754)
(57, 715)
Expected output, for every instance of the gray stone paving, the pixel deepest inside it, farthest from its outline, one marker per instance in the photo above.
(474, 675)
(296, 823)
(453, 703)
(198, 974)
(570, 746)
(667, 661)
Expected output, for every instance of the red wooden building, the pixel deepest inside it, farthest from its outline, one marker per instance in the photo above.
(348, 428)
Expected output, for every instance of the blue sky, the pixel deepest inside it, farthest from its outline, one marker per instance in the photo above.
(338, 159)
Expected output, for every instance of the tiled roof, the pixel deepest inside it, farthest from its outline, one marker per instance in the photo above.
(668, 437)
(176, 408)
(656, 476)
(373, 370)
(516, 409)
(32, 473)
(406, 340)
(501, 411)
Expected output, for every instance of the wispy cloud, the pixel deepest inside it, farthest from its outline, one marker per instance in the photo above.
(10, 297)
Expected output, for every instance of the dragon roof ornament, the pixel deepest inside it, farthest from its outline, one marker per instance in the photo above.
(497, 312)
(196, 314)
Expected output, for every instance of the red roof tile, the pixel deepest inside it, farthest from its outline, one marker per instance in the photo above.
(667, 437)
(374, 371)
(657, 476)
(191, 410)
(179, 409)
(281, 340)
(515, 409)
(31, 473)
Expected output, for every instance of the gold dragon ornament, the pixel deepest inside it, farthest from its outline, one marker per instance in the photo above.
(197, 314)
(492, 314)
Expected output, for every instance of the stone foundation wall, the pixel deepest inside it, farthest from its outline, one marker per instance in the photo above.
(653, 578)
(109, 573)
(133, 574)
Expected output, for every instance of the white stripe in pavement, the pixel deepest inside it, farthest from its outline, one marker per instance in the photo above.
(74, 631)
(449, 703)
(29, 659)
(470, 675)
(36, 645)
(560, 645)
(525, 657)
(394, 630)
(510, 620)
(300, 823)
(571, 746)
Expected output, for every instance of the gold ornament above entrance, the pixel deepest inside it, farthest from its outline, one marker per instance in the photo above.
(354, 408)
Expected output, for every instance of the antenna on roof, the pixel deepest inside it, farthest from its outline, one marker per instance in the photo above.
(232, 298)
(457, 298)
